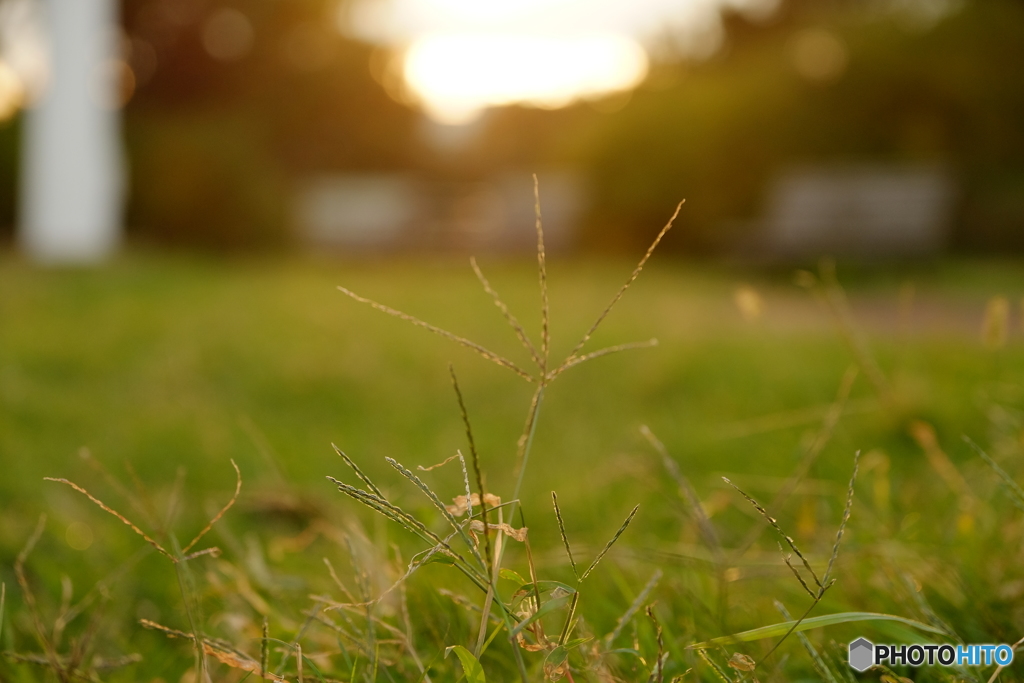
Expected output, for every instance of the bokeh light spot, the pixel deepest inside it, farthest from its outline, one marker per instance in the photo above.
(819, 55)
(227, 35)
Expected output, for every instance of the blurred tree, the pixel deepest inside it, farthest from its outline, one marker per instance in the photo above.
(821, 82)
(238, 101)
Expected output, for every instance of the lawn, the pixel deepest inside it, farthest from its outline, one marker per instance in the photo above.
(143, 381)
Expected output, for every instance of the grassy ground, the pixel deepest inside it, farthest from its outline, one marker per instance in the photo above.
(167, 368)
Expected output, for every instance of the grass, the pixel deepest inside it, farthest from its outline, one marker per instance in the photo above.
(166, 364)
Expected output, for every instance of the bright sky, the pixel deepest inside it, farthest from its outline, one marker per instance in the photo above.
(462, 56)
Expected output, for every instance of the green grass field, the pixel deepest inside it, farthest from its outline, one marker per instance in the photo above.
(164, 369)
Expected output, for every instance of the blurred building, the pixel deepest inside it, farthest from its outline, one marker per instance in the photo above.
(401, 211)
(867, 211)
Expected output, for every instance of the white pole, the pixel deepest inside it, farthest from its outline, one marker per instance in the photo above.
(71, 176)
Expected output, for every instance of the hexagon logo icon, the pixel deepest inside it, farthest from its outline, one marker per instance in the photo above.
(862, 654)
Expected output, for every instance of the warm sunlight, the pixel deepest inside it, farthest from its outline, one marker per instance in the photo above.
(456, 76)
(462, 56)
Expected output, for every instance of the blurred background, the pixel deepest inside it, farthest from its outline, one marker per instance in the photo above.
(876, 128)
(230, 162)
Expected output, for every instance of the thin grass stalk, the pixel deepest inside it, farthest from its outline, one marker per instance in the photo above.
(489, 355)
(634, 607)
(148, 515)
(30, 598)
(565, 539)
(686, 491)
(429, 493)
(821, 439)
(567, 626)
(598, 354)
(834, 297)
(658, 674)
(842, 525)
(714, 666)
(823, 670)
(475, 459)
(115, 513)
(186, 586)
(216, 518)
(542, 274)
(1012, 487)
(999, 669)
(527, 443)
(622, 290)
(517, 327)
(610, 543)
(359, 472)
(786, 558)
(265, 648)
(775, 525)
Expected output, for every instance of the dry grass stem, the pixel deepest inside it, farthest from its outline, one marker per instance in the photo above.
(842, 525)
(219, 650)
(610, 543)
(821, 439)
(148, 515)
(622, 290)
(542, 273)
(775, 525)
(478, 474)
(115, 513)
(358, 472)
(489, 355)
(216, 518)
(602, 352)
(514, 323)
(561, 531)
(30, 598)
(686, 491)
(634, 607)
(999, 669)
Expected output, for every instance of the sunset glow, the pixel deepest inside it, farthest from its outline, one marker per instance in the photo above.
(456, 76)
(460, 57)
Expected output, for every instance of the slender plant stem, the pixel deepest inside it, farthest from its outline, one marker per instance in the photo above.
(527, 447)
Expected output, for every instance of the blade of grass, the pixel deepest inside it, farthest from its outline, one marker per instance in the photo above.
(776, 630)
(471, 668)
